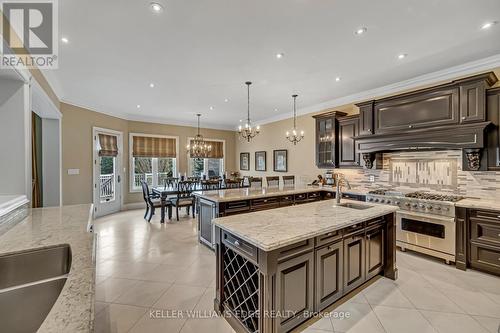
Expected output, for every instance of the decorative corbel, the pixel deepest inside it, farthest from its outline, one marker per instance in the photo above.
(473, 158)
(368, 158)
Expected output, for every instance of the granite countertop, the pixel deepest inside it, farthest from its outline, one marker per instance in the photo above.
(479, 203)
(254, 193)
(47, 227)
(275, 228)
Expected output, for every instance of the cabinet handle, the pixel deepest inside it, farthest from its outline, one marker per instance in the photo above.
(369, 130)
(498, 216)
(410, 126)
(463, 118)
(236, 243)
(329, 234)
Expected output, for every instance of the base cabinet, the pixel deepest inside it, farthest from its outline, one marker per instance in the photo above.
(374, 251)
(294, 290)
(329, 272)
(354, 261)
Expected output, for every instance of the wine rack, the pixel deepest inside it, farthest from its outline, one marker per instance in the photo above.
(241, 289)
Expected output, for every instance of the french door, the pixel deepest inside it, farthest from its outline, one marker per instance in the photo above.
(107, 166)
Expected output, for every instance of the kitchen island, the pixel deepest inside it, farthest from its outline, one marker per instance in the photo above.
(276, 268)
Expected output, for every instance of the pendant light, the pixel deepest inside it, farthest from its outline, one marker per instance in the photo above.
(248, 132)
(294, 137)
(198, 147)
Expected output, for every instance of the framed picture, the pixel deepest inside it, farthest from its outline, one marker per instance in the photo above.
(280, 160)
(245, 161)
(260, 161)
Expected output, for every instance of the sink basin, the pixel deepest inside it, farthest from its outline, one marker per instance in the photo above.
(30, 283)
(354, 206)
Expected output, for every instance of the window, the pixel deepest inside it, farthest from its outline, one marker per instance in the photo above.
(210, 167)
(153, 159)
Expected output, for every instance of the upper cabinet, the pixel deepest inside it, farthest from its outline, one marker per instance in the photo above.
(493, 136)
(327, 143)
(366, 118)
(348, 130)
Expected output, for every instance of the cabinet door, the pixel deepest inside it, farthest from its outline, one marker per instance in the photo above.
(354, 262)
(205, 215)
(374, 251)
(294, 290)
(348, 129)
(366, 118)
(472, 102)
(329, 286)
(493, 135)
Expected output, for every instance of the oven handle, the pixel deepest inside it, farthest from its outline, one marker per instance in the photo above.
(430, 218)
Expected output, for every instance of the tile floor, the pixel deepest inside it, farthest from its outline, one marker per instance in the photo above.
(143, 266)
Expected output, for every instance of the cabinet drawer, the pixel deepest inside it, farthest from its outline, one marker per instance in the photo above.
(294, 249)
(353, 229)
(328, 195)
(328, 237)
(244, 248)
(483, 231)
(314, 195)
(265, 203)
(485, 257)
(286, 200)
(376, 221)
(490, 215)
(237, 206)
(300, 197)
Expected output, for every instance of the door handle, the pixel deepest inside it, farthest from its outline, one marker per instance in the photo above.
(119, 178)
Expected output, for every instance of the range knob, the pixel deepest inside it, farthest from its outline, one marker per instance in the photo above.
(421, 206)
(370, 199)
(376, 200)
(415, 205)
(446, 209)
(382, 200)
(397, 202)
(388, 201)
(438, 208)
(430, 207)
(407, 204)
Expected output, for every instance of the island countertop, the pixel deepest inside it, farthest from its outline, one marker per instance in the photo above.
(73, 310)
(255, 193)
(275, 228)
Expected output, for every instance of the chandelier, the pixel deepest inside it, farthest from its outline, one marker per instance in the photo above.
(294, 137)
(198, 147)
(248, 132)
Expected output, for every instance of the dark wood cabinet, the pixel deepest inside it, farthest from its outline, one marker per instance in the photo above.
(327, 139)
(329, 271)
(206, 212)
(473, 102)
(366, 117)
(493, 131)
(348, 130)
(354, 261)
(294, 288)
(374, 251)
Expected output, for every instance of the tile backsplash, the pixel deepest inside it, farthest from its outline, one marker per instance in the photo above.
(433, 171)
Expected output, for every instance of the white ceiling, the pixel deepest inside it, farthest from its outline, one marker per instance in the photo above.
(198, 53)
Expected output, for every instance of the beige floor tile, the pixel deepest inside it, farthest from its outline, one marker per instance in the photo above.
(207, 325)
(492, 325)
(99, 306)
(163, 273)
(324, 324)
(112, 288)
(180, 259)
(206, 302)
(355, 317)
(149, 324)
(144, 293)
(397, 320)
(474, 302)
(453, 322)
(117, 318)
(359, 298)
(425, 297)
(180, 297)
(386, 292)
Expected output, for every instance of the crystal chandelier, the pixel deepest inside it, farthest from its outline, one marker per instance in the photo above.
(248, 132)
(198, 147)
(294, 137)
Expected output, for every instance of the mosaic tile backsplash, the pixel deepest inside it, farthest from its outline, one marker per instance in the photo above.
(433, 171)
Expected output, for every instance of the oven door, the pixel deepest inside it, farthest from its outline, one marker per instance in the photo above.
(429, 232)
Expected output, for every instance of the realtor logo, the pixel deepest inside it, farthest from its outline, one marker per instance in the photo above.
(29, 31)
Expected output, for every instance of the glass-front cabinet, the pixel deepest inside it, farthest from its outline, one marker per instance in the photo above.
(327, 142)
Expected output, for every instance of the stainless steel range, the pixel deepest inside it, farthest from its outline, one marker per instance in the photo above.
(425, 222)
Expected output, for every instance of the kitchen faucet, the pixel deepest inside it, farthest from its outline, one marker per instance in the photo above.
(340, 178)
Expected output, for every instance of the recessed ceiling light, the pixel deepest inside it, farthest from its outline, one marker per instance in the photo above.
(360, 31)
(279, 55)
(65, 40)
(151, 85)
(156, 7)
(138, 106)
(402, 56)
(241, 120)
(226, 100)
(488, 25)
(337, 79)
(275, 109)
(211, 108)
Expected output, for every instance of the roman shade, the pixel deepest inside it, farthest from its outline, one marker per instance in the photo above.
(148, 146)
(217, 149)
(108, 145)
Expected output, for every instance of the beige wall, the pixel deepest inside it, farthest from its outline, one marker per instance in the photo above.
(77, 124)
(301, 158)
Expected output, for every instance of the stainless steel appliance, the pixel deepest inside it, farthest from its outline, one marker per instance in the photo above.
(425, 222)
(329, 178)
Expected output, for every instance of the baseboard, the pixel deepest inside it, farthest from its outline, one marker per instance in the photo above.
(134, 205)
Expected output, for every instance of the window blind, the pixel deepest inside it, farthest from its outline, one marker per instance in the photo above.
(108, 145)
(147, 146)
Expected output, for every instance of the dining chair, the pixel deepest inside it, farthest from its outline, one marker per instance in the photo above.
(256, 182)
(184, 197)
(152, 201)
(171, 182)
(273, 181)
(288, 181)
(232, 183)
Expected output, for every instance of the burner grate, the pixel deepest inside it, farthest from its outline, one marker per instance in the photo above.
(434, 196)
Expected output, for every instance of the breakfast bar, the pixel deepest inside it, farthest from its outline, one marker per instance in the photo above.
(276, 268)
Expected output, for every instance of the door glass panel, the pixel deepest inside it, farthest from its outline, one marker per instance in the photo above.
(107, 179)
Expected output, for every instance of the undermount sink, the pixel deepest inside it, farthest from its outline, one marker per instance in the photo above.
(30, 283)
(354, 206)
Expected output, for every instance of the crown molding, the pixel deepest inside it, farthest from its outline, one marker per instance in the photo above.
(450, 73)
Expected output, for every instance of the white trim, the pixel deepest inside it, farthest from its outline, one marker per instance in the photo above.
(208, 139)
(42, 105)
(119, 166)
(131, 160)
(451, 73)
